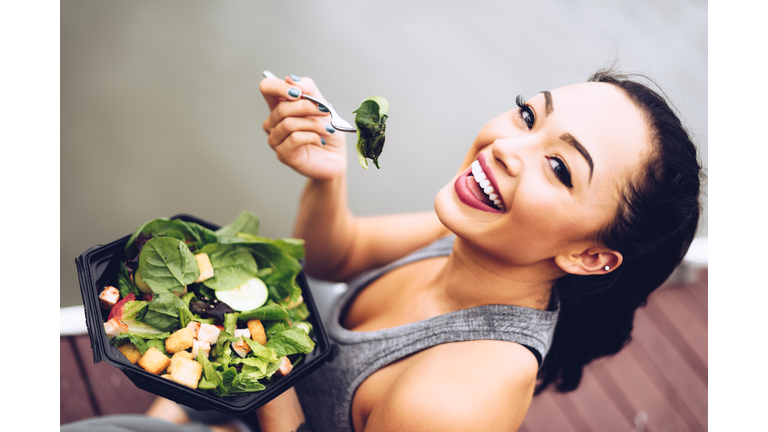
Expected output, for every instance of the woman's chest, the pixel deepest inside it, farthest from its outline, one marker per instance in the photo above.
(402, 296)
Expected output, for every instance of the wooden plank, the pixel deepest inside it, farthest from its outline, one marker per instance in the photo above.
(687, 300)
(638, 388)
(683, 381)
(544, 415)
(596, 408)
(680, 327)
(74, 400)
(113, 391)
(574, 416)
(660, 376)
(700, 289)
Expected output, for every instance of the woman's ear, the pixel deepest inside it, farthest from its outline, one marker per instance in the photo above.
(591, 261)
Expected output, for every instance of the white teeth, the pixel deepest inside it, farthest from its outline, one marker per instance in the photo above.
(482, 180)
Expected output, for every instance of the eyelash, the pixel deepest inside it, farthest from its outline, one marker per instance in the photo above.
(524, 108)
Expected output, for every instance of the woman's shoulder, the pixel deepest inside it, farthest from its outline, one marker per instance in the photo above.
(473, 385)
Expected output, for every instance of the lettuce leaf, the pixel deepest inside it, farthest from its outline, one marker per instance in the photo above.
(291, 341)
(246, 222)
(270, 311)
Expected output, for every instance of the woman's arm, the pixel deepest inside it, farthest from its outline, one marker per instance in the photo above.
(282, 414)
(338, 244)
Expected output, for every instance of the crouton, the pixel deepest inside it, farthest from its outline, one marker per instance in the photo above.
(199, 346)
(166, 376)
(109, 297)
(181, 340)
(257, 331)
(176, 356)
(194, 326)
(241, 347)
(208, 333)
(187, 372)
(153, 361)
(204, 264)
(285, 367)
(130, 352)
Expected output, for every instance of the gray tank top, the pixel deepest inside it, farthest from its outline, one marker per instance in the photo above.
(326, 395)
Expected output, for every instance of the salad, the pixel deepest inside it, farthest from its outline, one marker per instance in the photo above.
(219, 311)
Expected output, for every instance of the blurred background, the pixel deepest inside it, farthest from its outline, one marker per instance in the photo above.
(161, 112)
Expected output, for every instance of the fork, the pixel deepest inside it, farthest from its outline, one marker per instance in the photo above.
(337, 122)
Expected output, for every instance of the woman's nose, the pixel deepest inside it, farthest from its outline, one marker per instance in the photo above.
(508, 153)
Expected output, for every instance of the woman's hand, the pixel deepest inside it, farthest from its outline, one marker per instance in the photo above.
(299, 132)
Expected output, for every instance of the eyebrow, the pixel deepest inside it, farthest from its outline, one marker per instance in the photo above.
(577, 145)
(548, 103)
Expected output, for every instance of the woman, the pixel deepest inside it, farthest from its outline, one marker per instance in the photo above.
(588, 199)
(566, 213)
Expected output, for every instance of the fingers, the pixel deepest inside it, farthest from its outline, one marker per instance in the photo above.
(276, 91)
(295, 131)
(287, 109)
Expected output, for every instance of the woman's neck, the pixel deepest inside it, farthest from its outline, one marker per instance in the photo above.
(470, 278)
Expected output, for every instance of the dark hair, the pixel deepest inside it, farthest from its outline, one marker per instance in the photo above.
(653, 227)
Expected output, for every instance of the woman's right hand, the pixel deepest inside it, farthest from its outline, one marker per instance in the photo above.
(300, 133)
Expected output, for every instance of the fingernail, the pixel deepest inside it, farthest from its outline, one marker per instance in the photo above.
(329, 128)
(294, 92)
(296, 78)
(322, 108)
(322, 141)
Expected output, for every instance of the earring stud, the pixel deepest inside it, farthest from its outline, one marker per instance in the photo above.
(607, 268)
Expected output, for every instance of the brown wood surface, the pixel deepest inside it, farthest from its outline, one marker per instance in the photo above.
(661, 376)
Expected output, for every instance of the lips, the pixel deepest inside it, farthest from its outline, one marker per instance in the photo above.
(473, 195)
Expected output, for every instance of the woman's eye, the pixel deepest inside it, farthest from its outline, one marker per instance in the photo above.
(525, 112)
(560, 170)
(527, 117)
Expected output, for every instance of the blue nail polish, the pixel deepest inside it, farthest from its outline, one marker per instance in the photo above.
(294, 92)
(329, 128)
(322, 140)
(322, 108)
(296, 78)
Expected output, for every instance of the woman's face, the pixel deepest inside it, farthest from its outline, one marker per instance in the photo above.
(557, 167)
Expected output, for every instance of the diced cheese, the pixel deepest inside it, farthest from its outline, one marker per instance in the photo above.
(208, 333)
(241, 347)
(198, 346)
(109, 297)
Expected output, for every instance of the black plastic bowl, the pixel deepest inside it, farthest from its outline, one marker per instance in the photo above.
(98, 267)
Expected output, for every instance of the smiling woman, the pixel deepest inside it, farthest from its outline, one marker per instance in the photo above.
(565, 214)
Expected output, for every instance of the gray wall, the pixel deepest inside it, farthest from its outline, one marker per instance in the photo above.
(161, 112)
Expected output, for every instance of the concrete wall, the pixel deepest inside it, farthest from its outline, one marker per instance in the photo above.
(161, 113)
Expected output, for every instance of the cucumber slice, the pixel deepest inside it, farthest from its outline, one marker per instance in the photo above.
(140, 284)
(307, 327)
(250, 295)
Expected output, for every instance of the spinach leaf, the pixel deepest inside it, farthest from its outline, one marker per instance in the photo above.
(269, 254)
(270, 311)
(166, 264)
(371, 119)
(233, 265)
(163, 312)
(189, 232)
(246, 222)
(124, 283)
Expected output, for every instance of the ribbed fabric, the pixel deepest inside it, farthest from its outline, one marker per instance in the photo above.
(326, 395)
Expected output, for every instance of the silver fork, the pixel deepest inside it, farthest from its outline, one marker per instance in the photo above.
(337, 122)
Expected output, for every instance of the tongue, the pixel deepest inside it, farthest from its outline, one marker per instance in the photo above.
(477, 192)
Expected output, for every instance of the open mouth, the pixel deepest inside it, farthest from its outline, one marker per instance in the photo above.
(477, 188)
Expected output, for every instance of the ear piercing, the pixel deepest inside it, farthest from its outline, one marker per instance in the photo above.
(607, 268)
